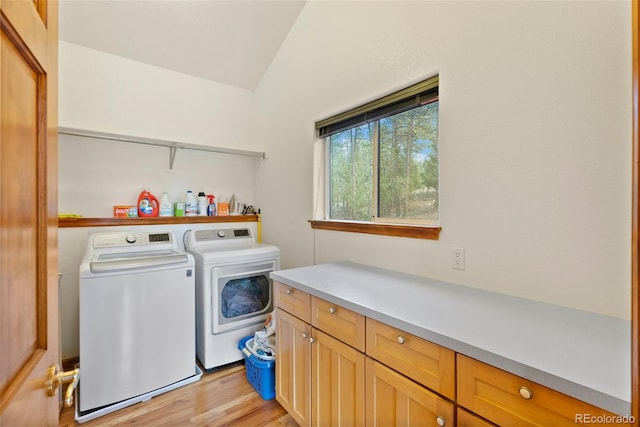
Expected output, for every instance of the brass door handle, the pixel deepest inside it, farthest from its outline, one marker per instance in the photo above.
(55, 378)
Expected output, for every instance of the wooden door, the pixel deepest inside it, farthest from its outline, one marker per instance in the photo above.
(337, 380)
(28, 211)
(293, 367)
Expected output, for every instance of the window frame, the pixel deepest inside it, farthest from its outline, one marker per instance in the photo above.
(399, 227)
(427, 232)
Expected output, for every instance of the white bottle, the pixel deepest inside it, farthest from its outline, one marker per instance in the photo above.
(166, 209)
(202, 204)
(190, 205)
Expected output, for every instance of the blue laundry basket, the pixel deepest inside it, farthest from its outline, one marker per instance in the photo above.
(260, 373)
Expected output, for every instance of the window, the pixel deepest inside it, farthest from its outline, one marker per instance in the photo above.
(382, 159)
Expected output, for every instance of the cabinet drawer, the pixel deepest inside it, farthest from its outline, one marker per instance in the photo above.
(424, 362)
(339, 322)
(509, 400)
(293, 301)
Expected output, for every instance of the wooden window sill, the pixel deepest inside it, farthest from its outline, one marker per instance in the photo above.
(398, 230)
(109, 222)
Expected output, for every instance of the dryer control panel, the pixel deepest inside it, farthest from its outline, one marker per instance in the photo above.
(223, 234)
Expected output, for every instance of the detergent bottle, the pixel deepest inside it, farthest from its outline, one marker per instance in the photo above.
(202, 204)
(211, 208)
(148, 205)
(166, 208)
(190, 204)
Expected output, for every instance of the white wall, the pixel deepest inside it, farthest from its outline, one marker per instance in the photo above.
(535, 139)
(108, 93)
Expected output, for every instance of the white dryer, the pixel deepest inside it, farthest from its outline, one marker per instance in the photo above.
(234, 294)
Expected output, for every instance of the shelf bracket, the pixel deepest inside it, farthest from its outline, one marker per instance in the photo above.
(172, 157)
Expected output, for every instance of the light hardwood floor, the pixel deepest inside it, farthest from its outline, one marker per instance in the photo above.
(222, 397)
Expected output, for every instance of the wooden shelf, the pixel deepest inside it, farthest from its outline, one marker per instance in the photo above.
(110, 222)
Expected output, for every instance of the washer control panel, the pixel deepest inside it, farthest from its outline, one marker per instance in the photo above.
(114, 240)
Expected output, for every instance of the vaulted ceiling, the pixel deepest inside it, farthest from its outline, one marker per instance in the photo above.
(226, 41)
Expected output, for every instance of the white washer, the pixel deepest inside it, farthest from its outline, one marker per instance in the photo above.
(234, 294)
(137, 328)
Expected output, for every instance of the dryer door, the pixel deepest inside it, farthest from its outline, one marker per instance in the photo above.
(242, 295)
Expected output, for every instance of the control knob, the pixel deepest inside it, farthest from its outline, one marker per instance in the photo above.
(131, 238)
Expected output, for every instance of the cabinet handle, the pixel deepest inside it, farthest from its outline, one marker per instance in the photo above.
(304, 335)
(311, 340)
(401, 339)
(441, 421)
(332, 310)
(525, 392)
(289, 291)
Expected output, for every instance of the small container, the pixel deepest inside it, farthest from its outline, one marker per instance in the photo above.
(190, 205)
(202, 204)
(211, 208)
(223, 209)
(125, 211)
(179, 209)
(166, 209)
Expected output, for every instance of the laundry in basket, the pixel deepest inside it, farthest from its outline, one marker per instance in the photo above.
(263, 343)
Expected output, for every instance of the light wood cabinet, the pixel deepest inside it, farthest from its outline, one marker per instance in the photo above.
(395, 400)
(328, 353)
(510, 400)
(293, 366)
(339, 322)
(425, 362)
(293, 301)
(338, 382)
(467, 419)
(319, 379)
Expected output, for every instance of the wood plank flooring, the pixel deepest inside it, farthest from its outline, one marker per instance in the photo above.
(222, 397)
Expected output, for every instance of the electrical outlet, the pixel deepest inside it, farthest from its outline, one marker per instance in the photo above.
(458, 258)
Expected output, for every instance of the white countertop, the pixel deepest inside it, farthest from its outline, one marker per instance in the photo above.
(582, 354)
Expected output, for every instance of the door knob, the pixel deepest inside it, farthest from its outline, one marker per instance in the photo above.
(55, 378)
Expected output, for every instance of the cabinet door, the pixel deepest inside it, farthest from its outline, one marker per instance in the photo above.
(395, 400)
(293, 366)
(467, 419)
(338, 382)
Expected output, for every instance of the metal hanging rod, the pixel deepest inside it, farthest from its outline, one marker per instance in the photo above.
(172, 145)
